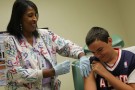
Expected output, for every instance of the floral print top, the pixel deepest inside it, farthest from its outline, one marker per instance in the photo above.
(25, 62)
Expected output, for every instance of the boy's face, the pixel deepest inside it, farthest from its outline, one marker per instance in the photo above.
(102, 50)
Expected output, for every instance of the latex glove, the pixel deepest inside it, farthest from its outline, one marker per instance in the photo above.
(62, 68)
(85, 66)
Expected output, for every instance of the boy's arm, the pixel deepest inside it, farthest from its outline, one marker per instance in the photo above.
(89, 82)
(116, 83)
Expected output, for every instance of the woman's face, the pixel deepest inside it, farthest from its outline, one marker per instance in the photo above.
(102, 50)
(29, 20)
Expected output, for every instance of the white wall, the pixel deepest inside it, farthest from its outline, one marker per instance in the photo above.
(72, 19)
(126, 9)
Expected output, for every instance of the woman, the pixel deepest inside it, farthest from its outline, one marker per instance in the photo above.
(31, 53)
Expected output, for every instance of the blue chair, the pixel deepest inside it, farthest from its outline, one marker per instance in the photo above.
(77, 78)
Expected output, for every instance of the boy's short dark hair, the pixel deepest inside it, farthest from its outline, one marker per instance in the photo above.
(97, 33)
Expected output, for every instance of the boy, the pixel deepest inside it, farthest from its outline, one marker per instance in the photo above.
(112, 68)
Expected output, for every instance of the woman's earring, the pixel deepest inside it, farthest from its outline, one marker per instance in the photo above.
(21, 27)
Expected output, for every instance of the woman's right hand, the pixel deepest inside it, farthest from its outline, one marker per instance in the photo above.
(62, 68)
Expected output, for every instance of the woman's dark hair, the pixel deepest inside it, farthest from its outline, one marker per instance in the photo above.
(18, 10)
(97, 33)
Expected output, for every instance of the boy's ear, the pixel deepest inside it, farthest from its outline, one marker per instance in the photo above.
(109, 40)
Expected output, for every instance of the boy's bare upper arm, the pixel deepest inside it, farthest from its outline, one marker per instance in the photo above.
(89, 82)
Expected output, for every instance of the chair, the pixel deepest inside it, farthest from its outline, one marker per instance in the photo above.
(77, 78)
